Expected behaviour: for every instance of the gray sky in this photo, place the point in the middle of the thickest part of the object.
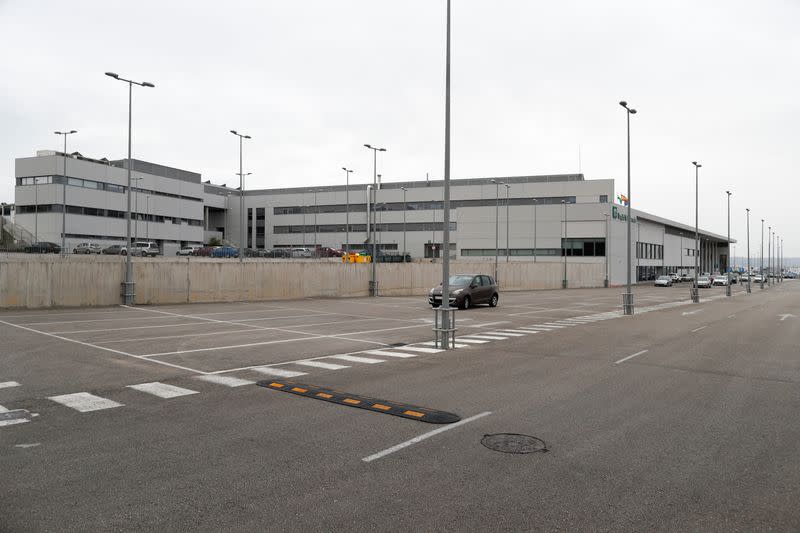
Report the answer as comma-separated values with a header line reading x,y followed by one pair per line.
x,y
313,81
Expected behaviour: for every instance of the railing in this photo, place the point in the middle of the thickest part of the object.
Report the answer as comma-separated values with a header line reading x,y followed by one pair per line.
x,y
18,234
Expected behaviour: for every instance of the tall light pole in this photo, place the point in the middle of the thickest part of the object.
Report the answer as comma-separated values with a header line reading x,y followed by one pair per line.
x,y
242,234
535,205
695,292
64,194
769,254
761,265
496,224
605,282
347,210
371,240
728,273
564,245
627,298
375,187
316,210
749,272
404,221
147,220
508,239
136,209
129,284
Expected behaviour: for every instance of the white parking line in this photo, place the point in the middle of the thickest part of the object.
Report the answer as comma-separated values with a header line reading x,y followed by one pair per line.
x,y
228,381
422,349
422,437
631,356
484,337
467,340
8,384
162,390
698,329
279,372
85,402
356,359
506,334
320,364
391,354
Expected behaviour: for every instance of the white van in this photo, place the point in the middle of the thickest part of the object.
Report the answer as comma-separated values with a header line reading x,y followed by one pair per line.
x,y
145,248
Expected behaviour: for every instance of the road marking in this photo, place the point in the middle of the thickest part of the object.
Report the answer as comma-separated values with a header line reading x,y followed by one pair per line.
x,y
552,325
272,371
784,317
320,364
487,324
630,357
391,354
31,445
731,316
536,328
8,384
433,343
698,329
685,313
505,334
422,437
486,337
162,390
522,331
422,349
226,380
85,402
356,359
467,340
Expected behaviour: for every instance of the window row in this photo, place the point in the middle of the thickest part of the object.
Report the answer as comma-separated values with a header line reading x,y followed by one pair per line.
x,y
96,185
361,228
419,206
646,250
515,252
109,213
583,247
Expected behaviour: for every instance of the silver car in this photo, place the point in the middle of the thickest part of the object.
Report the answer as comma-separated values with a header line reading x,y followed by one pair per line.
x,y
663,281
703,282
87,248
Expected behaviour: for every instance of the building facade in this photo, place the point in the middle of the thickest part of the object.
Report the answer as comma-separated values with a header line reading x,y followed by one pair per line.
x,y
552,218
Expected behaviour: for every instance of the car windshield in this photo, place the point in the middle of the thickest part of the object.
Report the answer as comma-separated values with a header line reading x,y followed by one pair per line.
x,y
460,280
703,278
664,278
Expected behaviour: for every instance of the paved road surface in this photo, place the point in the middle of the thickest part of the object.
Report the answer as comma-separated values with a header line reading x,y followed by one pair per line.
x,y
682,417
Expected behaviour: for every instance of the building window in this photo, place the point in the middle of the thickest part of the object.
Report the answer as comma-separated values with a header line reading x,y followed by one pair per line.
x,y
583,247
603,198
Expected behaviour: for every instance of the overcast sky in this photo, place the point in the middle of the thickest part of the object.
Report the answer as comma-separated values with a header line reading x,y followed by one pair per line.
x,y
312,81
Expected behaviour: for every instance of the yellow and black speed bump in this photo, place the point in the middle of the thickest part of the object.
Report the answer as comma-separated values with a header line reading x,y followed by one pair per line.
x,y
413,412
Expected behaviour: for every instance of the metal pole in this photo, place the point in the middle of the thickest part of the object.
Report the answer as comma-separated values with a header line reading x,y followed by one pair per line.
x,y
448,318
496,226
303,208
761,262
749,272
728,273
369,237
404,222
564,246
695,293
36,209
147,219
508,236
769,253
242,234
347,210
627,300
316,210
129,290
535,205
64,202
605,283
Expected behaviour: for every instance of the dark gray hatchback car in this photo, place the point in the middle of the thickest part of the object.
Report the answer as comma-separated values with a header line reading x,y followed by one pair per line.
x,y
467,290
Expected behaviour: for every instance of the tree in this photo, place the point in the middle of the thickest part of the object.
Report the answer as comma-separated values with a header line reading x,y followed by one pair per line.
x,y
214,242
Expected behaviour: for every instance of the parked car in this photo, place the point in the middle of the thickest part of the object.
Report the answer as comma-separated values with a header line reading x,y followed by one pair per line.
x,y
225,251
758,278
43,248
703,282
87,248
663,281
205,251
145,249
687,277
302,252
188,250
329,252
115,249
280,253
676,278
467,290
720,281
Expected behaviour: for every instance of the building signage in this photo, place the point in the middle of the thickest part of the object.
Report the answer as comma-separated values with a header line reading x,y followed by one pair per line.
x,y
615,213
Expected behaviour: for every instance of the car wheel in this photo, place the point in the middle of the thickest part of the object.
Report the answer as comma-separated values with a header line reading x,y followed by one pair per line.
x,y
123,252
466,303
493,301
434,306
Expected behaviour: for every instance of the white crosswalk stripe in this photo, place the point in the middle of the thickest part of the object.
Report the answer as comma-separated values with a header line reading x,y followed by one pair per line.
x,y
320,364
485,337
355,359
523,331
386,353
8,384
432,343
85,402
469,341
278,372
228,381
422,349
162,390
506,334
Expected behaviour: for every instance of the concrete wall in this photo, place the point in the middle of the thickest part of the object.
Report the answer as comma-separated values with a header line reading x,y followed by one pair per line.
x,y
35,282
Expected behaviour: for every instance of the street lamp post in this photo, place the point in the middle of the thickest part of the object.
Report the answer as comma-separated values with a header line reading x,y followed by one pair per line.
x,y
371,240
564,245
496,224
347,210
242,233
316,210
761,262
375,187
508,235
129,283
627,298
535,205
749,272
728,273
605,282
147,220
695,292
769,254
136,210
64,194
404,221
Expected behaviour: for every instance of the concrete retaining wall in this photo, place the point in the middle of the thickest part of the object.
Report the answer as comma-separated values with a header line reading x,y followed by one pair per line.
x,y
52,281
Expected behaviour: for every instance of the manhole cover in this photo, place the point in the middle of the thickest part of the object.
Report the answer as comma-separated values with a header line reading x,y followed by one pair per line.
x,y
513,443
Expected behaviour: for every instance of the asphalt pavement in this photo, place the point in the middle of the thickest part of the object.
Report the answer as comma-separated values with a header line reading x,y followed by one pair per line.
x,y
681,417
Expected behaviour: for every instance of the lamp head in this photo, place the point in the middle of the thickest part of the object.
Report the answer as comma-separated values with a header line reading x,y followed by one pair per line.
x,y
632,111
381,149
246,136
147,84
234,132
624,104
113,75
73,131
368,146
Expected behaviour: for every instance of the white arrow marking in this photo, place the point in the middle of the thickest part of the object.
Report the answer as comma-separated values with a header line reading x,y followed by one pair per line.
x,y
32,445
784,317
691,312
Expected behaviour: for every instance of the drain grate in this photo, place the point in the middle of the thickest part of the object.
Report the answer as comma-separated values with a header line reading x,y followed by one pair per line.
x,y
514,443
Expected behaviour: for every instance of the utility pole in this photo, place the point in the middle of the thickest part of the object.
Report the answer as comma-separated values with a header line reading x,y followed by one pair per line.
x,y
749,272
64,194
728,273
